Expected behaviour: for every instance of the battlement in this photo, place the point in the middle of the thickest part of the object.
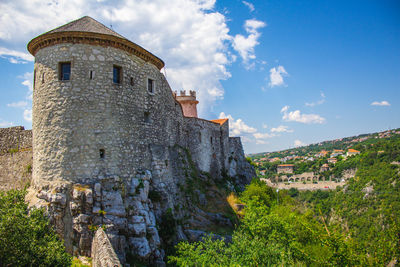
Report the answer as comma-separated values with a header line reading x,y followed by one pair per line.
x,y
188,102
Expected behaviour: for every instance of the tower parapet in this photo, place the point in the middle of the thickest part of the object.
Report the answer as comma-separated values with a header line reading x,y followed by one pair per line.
x,y
188,103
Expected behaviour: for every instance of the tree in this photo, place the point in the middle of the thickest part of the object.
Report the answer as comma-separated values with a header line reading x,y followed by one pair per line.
x,y
26,237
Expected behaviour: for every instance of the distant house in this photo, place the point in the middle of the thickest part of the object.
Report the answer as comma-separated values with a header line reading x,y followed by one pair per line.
x,y
274,159
337,152
285,168
321,154
262,173
352,152
332,160
324,168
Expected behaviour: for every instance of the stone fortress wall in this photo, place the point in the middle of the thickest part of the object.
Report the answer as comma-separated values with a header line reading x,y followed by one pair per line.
x,y
15,138
99,147
15,157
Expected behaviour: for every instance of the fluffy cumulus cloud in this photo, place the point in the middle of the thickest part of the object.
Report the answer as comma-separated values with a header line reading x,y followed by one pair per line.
x,y
28,115
297,116
237,127
15,57
276,75
249,134
281,129
244,45
298,143
319,102
189,35
381,103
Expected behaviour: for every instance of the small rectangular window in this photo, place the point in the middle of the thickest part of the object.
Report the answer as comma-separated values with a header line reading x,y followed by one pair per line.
x,y
132,82
102,153
91,75
147,117
65,71
150,86
117,72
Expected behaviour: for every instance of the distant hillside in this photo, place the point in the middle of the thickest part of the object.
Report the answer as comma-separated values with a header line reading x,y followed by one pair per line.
x,y
341,144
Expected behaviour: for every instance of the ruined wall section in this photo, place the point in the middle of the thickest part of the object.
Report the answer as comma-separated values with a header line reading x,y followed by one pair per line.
x,y
239,168
103,254
15,138
73,120
208,143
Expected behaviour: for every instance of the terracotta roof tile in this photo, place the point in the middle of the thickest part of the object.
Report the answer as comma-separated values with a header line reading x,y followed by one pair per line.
x,y
220,121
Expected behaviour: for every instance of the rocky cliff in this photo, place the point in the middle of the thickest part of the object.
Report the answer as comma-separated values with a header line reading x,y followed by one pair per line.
x,y
146,215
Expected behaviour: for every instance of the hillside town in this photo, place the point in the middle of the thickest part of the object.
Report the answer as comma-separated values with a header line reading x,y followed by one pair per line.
x,y
324,165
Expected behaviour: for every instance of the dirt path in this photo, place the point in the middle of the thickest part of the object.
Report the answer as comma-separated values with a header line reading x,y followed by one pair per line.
x,y
328,185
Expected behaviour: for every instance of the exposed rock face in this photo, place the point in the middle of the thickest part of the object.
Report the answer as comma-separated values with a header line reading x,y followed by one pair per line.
x,y
121,207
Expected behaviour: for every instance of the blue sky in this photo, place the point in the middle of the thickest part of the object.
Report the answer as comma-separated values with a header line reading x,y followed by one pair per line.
x,y
286,73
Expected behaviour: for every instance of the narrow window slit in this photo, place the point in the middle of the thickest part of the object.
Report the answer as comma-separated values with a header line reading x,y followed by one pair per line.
x,y
102,153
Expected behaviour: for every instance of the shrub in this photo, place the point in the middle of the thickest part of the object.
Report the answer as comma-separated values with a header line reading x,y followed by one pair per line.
x,y
26,237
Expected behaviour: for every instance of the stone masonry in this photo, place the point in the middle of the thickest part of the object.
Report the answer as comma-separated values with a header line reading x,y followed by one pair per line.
x,y
101,144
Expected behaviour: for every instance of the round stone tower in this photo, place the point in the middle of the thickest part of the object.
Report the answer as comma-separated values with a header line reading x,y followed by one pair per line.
x,y
92,102
188,103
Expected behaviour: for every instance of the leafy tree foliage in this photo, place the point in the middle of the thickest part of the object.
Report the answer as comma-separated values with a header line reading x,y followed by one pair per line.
x,y
26,238
272,234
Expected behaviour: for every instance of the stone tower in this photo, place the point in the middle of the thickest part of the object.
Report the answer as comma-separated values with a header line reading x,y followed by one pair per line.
x,y
93,99
188,103
108,131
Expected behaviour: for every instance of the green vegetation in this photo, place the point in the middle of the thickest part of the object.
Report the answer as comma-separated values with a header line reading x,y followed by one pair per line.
x,y
271,234
26,237
357,225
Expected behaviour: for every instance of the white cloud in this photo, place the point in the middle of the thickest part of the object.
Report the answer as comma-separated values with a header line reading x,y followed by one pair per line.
x,y
263,135
276,76
28,82
14,56
264,126
382,103
281,129
237,127
4,124
298,143
28,115
245,45
297,116
261,142
19,104
249,5
319,102
190,36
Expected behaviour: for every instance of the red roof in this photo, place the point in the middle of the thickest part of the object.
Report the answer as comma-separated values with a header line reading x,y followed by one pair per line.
x,y
220,121
286,165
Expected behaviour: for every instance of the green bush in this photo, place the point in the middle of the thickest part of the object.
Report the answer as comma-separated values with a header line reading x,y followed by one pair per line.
x,y
26,237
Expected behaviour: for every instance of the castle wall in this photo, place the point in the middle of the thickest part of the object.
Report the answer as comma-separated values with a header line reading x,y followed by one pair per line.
x,y
15,157
239,168
208,144
15,138
73,120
